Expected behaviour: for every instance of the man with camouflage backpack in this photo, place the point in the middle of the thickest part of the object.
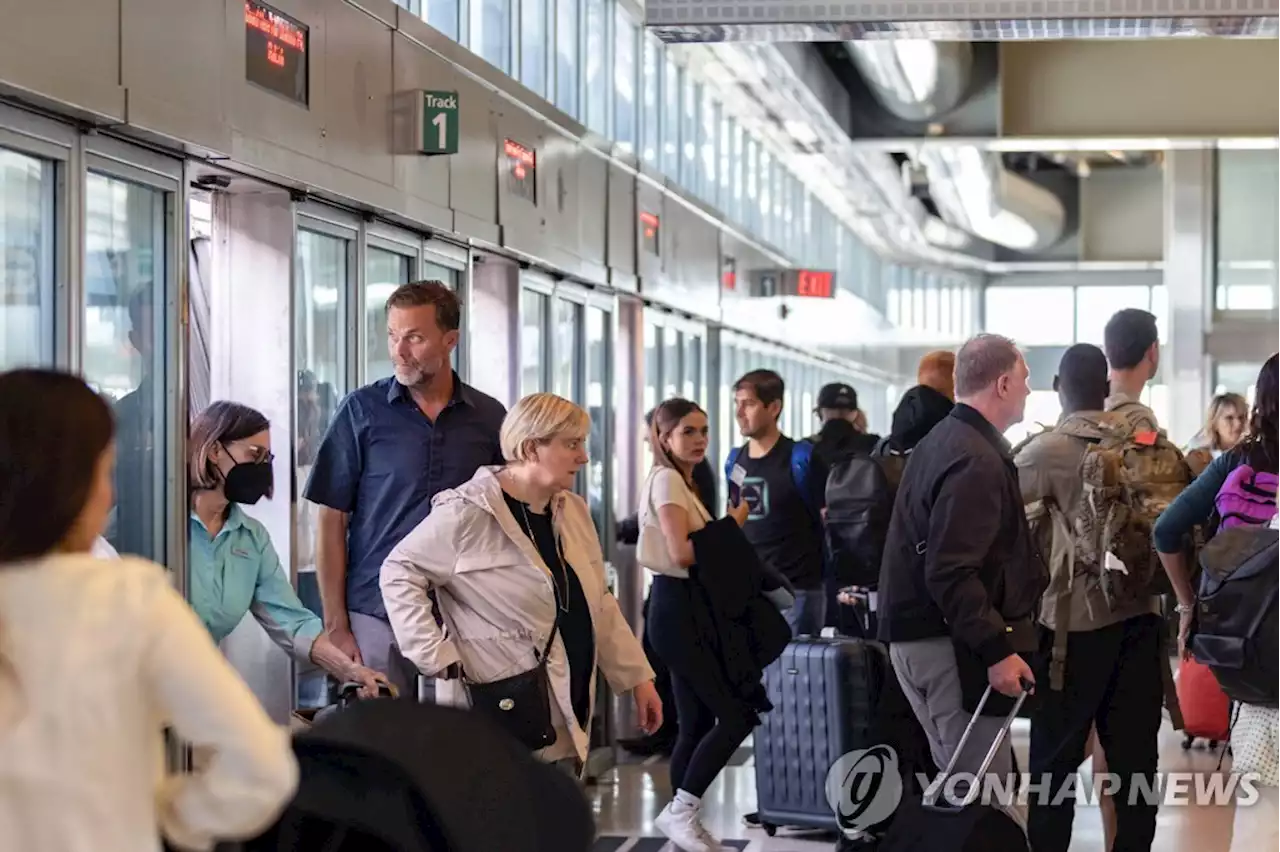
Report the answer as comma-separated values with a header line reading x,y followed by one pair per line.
x,y
1094,485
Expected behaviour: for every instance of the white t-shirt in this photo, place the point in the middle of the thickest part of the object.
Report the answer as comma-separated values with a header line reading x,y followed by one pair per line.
x,y
103,549
665,487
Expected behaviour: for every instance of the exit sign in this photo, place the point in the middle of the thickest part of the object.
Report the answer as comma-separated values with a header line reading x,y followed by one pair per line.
x,y
801,283
814,284
439,123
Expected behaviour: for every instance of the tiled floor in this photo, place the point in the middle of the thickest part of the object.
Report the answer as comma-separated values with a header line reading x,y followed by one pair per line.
x,y
628,799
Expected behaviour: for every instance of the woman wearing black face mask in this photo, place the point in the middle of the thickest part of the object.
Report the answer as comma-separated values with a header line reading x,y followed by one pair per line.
x,y
234,567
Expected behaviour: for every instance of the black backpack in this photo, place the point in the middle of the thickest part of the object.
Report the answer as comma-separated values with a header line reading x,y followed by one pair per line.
x,y
1235,622
860,494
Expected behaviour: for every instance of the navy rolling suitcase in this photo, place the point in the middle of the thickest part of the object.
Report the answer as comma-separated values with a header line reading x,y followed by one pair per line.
x,y
824,693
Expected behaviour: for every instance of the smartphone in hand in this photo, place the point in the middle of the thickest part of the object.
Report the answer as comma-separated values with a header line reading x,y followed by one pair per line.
x,y
736,477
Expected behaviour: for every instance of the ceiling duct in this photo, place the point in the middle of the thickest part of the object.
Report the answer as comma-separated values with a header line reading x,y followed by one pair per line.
x,y
915,80
974,191
923,81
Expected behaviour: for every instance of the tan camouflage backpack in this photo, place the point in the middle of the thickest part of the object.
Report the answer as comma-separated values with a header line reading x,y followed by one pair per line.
x,y
1129,478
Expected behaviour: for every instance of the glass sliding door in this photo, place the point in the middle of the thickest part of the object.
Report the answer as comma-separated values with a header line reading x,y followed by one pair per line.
x,y
323,278
671,345
568,353
27,330
535,322
123,348
691,369
597,386
385,270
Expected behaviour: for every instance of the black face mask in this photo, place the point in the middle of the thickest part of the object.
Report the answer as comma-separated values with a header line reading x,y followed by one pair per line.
x,y
248,482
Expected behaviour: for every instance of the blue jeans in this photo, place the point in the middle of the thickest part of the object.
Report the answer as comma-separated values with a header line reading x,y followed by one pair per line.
x,y
808,615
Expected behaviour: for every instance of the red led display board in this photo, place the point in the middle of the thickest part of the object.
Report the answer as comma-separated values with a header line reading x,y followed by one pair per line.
x,y
522,170
275,52
650,231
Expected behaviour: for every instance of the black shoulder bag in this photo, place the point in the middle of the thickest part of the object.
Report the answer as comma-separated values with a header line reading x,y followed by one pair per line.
x,y
521,703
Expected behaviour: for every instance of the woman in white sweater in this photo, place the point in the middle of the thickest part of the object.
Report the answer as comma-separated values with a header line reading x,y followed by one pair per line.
x,y
97,657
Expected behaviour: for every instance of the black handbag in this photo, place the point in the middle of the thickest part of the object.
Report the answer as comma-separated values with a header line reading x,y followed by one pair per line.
x,y
521,703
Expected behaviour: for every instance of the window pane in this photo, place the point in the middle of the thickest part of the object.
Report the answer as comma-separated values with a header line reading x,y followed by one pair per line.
x,y
650,140
1043,409
692,368
567,56
1157,399
670,363
319,335
766,193
568,356
710,134
724,140
1248,230
652,340
322,276
671,119
689,94
443,15
737,166
1096,305
624,80
533,45
597,77
26,247
1160,307
1236,377
597,363
124,345
384,272
533,342
1009,310
491,32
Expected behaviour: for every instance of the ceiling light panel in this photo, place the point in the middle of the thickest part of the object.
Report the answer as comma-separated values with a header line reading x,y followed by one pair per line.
x,y
966,20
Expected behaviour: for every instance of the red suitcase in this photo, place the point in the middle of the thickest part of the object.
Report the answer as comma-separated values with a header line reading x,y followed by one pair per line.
x,y
1206,710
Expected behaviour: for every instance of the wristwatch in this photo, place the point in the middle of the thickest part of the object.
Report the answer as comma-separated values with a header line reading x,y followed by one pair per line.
x,y
1184,608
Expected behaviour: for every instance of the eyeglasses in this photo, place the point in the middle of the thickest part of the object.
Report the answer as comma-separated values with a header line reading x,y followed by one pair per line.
x,y
256,454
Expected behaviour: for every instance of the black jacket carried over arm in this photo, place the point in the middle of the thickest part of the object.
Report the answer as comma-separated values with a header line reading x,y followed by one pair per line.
x,y
741,631
959,559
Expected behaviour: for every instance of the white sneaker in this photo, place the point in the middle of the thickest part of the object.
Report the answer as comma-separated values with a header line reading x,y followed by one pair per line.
x,y
681,823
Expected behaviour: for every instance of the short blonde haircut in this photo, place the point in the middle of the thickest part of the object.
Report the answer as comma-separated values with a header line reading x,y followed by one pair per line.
x,y
540,418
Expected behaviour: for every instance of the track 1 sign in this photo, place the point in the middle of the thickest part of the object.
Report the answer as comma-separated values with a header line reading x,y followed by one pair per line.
x,y
439,123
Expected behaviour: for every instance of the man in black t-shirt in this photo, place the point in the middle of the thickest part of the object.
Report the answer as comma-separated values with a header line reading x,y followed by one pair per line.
x,y
784,483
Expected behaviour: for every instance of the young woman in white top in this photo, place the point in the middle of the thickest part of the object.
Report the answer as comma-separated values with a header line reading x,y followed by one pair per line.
x,y
712,721
96,656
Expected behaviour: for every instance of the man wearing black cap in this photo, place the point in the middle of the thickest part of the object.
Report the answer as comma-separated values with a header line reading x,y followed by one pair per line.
x,y
1100,660
843,432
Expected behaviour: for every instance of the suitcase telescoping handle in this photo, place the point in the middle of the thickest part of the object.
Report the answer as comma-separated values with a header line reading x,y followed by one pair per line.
x,y
931,795
349,691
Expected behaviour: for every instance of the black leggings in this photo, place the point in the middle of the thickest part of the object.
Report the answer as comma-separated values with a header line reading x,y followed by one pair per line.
x,y
712,722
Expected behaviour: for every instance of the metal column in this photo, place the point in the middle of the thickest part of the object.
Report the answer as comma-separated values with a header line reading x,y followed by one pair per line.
x,y
1189,200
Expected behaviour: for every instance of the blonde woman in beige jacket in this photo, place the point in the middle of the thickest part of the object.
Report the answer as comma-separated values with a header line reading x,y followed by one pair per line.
x,y
511,555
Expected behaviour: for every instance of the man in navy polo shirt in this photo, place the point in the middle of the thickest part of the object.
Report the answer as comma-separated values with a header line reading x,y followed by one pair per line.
x,y
392,446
